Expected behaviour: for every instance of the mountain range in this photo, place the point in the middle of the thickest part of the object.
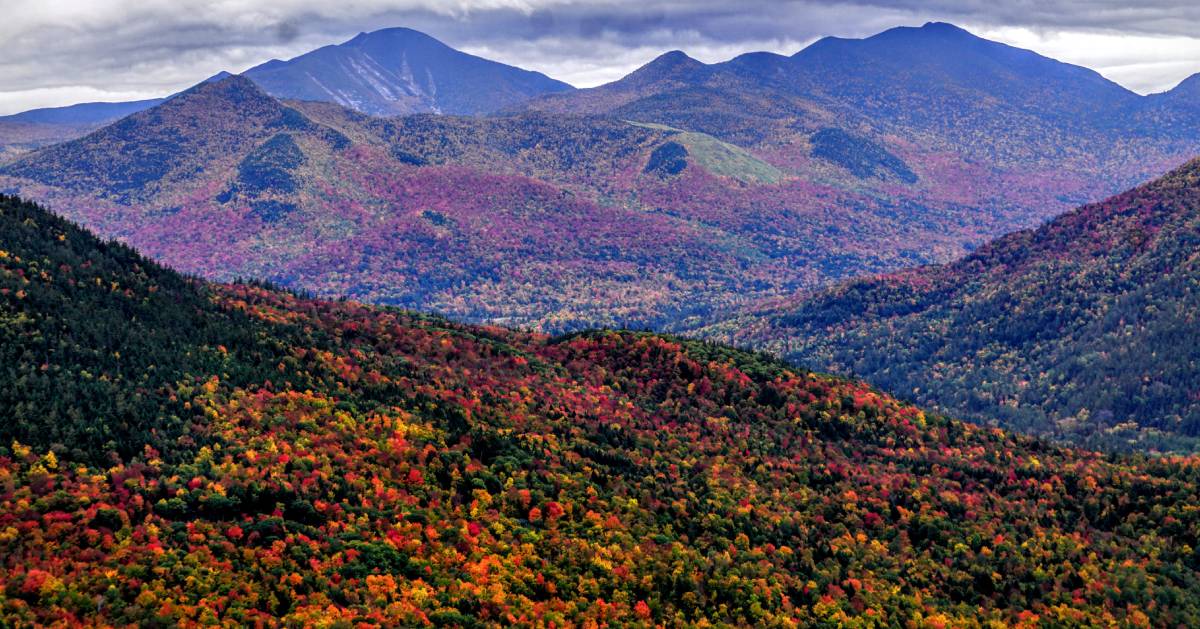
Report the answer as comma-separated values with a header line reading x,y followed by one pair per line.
x,y
679,194
937,82
1081,329
389,72
184,453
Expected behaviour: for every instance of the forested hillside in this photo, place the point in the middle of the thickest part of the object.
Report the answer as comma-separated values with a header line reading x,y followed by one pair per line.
x,y
1082,329
239,455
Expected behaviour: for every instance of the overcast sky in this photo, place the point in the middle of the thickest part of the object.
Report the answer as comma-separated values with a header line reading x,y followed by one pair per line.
x,y
59,52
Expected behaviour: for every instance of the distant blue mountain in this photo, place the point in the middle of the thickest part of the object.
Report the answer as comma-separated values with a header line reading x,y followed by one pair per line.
x,y
90,115
1186,93
83,113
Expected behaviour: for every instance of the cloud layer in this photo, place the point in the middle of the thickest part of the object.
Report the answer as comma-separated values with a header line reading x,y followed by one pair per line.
x,y
76,50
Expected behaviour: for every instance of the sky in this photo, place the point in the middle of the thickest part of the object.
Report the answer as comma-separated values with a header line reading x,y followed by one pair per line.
x,y
59,52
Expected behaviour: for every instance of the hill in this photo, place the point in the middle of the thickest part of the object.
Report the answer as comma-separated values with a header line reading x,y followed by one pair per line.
x,y
341,463
1081,329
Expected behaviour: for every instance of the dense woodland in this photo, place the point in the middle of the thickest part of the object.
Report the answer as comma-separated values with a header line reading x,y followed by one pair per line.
x,y
278,460
1083,329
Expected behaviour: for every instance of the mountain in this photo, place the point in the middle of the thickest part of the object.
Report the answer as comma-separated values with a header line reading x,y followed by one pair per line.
x,y
1187,88
153,149
255,457
19,138
83,113
1174,109
388,72
1081,329
669,70
554,221
939,60
967,111
928,78
401,71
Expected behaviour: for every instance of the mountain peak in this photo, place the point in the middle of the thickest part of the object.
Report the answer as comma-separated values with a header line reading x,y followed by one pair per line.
x,y
673,61
233,86
391,35
944,28
674,57
398,71
929,30
669,65
942,32
220,76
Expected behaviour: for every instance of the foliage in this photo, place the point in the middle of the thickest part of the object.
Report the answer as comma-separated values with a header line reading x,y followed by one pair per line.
x,y
269,167
860,156
667,160
1082,329
390,469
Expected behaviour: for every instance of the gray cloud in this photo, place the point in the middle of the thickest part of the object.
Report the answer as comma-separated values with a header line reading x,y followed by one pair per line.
x,y
72,50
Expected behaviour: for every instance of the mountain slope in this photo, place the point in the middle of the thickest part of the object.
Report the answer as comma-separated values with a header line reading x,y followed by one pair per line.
x,y
1173,110
382,469
19,138
94,338
927,79
33,129
1081,329
401,71
157,148
37,128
